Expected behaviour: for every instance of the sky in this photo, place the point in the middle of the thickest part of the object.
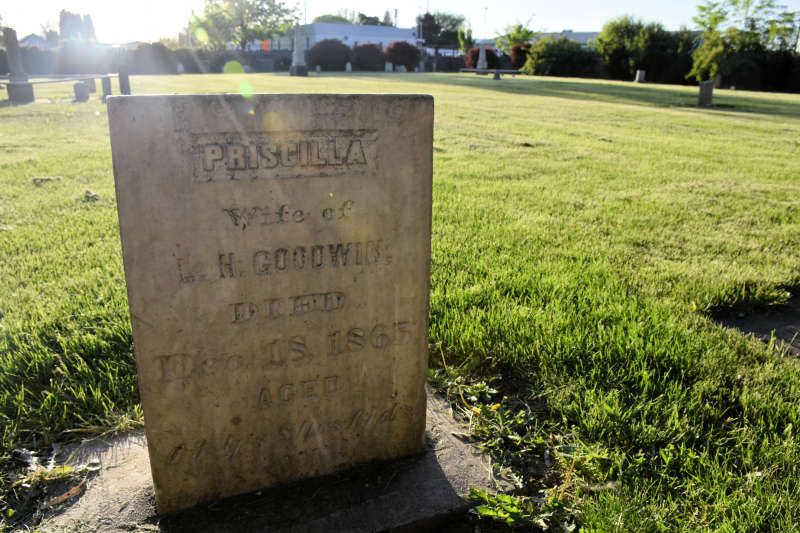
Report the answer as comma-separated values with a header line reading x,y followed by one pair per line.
x,y
148,20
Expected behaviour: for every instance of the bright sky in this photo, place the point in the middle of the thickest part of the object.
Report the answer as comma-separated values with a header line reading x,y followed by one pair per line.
x,y
148,20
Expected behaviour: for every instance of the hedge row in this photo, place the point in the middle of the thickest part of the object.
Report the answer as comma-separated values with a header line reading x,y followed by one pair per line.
x,y
332,54
77,58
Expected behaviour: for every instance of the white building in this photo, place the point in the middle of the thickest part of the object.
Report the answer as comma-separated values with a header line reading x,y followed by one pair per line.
x,y
349,34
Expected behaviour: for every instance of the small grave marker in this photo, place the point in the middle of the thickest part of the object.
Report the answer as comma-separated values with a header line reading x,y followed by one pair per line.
x,y
640,76
277,258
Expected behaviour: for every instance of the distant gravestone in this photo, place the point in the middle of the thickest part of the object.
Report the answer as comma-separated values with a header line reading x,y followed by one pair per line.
x,y
81,92
640,76
105,82
124,82
422,65
401,68
348,67
91,85
482,64
318,69
277,258
298,67
20,91
706,96
389,67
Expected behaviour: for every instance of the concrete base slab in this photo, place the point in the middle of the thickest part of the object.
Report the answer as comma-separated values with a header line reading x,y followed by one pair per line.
x,y
416,493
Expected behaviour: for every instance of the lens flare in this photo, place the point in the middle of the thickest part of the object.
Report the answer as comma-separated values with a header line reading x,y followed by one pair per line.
x,y
233,67
245,89
201,35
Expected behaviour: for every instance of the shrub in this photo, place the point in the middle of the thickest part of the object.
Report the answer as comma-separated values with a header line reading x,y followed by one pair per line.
x,y
403,53
368,56
492,61
519,55
561,57
37,60
152,59
82,58
330,54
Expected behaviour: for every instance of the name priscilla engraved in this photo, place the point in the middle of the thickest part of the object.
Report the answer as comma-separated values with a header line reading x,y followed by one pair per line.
x,y
235,156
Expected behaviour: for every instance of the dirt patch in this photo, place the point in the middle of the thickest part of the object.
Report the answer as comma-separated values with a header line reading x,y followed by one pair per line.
x,y
782,321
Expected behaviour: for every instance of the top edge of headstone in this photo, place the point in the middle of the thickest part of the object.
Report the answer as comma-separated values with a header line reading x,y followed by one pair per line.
x,y
239,97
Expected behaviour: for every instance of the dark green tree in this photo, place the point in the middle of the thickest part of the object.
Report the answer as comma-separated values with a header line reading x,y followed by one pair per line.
x,y
331,19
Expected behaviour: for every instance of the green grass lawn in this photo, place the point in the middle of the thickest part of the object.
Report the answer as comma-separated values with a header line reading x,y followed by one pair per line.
x,y
584,233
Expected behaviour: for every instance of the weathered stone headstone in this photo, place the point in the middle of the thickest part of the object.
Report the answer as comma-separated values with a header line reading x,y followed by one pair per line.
x,y
81,91
348,67
318,69
496,75
15,68
91,85
277,256
422,65
105,81
298,67
706,96
124,82
640,76
20,91
389,67
401,68
482,64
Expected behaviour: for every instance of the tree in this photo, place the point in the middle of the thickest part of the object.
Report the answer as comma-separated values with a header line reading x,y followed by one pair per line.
x,y
465,40
242,21
70,25
738,36
514,34
365,20
331,19
440,30
88,28
387,19
628,44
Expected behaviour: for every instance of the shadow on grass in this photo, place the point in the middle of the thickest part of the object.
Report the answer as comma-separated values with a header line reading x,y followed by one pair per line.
x,y
651,95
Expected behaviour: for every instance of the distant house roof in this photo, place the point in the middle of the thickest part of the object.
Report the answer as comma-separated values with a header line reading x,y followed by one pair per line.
x,y
35,40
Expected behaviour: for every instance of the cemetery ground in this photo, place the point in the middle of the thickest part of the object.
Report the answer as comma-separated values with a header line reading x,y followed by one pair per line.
x,y
590,241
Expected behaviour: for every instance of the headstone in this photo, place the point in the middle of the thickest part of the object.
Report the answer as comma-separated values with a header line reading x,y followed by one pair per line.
x,y
81,92
422,65
277,256
20,91
401,68
124,82
482,64
389,67
91,85
348,67
15,68
180,68
318,69
639,76
706,96
496,75
298,67
105,81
